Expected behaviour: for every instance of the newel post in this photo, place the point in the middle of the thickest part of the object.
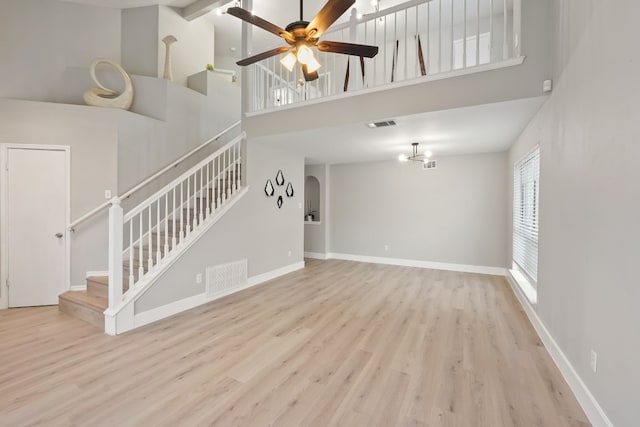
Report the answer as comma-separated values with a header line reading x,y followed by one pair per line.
x,y
116,218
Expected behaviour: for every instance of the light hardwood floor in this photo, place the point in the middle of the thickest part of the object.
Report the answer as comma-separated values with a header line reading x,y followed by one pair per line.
x,y
339,343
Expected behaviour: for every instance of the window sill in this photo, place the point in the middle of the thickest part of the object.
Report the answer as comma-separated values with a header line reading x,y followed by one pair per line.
x,y
527,289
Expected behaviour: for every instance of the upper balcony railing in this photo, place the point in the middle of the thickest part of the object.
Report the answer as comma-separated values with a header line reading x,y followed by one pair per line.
x,y
417,40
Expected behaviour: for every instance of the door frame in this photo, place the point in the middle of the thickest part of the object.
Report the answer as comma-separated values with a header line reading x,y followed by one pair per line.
x,y
4,196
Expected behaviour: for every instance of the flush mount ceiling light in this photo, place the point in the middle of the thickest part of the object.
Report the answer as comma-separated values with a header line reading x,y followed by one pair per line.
x,y
415,156
302,36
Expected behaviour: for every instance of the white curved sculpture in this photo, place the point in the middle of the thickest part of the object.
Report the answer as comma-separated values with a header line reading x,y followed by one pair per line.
x,y
168,41
102,97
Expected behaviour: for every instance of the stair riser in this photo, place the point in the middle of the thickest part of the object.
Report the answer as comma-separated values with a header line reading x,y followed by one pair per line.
x,y
82,312
97,289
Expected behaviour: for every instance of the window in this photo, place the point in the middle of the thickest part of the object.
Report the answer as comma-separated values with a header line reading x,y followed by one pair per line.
x,y
526,178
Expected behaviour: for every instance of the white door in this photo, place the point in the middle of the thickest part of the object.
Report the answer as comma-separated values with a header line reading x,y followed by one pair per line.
x,y
36,219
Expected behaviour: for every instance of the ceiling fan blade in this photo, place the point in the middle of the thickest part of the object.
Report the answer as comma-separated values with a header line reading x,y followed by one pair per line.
x,y
330,12
364,50
264,55
247,16
307,75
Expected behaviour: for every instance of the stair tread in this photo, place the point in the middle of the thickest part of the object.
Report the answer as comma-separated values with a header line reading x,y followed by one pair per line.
x,y
86,299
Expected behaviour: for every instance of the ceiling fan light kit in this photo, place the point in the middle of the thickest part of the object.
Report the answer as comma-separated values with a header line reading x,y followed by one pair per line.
x,y
302,36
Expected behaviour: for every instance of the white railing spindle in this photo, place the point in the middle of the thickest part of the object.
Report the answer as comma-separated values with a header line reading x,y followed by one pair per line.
x,y
140,250
115,252
200,183
131,253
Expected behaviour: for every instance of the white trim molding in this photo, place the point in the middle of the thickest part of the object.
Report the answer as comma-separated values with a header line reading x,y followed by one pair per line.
x,y
587,401
316,255
96,274
194,301
494,271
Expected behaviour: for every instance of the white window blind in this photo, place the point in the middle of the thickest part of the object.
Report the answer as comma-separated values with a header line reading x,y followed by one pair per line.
x,y
526,175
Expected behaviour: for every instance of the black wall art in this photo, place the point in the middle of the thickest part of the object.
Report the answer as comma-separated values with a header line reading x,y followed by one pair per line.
x,y
270,190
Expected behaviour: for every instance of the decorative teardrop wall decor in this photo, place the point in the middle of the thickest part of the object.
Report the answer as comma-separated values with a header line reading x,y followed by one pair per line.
x,y
270,190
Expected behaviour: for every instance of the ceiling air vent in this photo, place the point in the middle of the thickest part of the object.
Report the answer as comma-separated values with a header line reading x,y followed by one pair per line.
x,y
431,164
382,124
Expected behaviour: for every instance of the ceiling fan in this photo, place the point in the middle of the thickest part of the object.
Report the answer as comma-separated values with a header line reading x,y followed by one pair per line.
x,y
302,36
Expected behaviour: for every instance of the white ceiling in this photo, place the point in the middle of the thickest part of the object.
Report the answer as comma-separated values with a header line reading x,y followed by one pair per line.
x,y
478,129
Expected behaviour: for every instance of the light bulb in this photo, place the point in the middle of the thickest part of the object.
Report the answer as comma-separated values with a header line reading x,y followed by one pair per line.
x,y
313,65
428,154
289,61
305,54
402,158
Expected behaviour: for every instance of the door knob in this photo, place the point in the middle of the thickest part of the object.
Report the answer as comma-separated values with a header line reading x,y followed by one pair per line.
x,y
59,235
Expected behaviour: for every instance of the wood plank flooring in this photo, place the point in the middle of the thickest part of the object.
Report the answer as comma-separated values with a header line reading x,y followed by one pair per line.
x,y
336,344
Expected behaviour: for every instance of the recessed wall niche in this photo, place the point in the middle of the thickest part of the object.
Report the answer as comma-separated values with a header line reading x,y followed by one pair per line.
x,y
312,199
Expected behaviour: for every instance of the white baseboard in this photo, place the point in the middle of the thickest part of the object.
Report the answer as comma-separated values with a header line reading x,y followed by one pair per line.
x,y
589,404
316,255
170,309
495,271
78,287
269,275
194,301
96,274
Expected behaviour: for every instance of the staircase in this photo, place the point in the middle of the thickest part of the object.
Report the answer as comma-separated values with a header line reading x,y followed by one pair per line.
x,y
157,230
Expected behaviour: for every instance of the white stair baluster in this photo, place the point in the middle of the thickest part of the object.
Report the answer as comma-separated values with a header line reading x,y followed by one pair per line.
x,y
166,224
208,188
218,176
224,176
477,32
452,41
238,166
201,215
181,212
140,249
150,248
158,230
173,219
505,45
188,206
464,34
233,169
131,254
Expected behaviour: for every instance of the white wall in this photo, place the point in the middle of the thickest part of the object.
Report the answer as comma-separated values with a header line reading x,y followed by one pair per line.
x,y
140,43
143,51
254,229
588,133
453,214
42,42
92,135
315,234
194,48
